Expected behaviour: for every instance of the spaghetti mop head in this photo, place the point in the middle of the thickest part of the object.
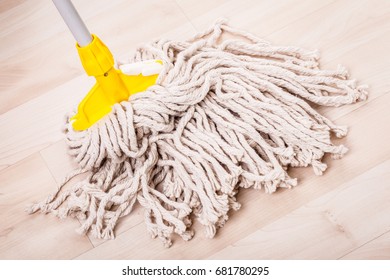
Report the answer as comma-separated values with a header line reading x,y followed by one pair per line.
x,y
224,114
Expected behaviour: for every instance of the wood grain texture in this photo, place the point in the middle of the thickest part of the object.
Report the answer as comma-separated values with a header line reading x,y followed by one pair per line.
x,y
33,237
338,217
37,123
260,17
343,214
377,249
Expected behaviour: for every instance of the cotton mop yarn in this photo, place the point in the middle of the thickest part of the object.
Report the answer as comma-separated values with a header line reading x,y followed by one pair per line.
x,y
225,114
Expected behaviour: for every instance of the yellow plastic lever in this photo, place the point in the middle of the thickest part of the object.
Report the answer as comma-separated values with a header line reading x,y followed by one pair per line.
x,y
112,85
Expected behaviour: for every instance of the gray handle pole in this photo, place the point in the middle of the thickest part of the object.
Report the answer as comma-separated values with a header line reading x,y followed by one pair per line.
x,y
73,21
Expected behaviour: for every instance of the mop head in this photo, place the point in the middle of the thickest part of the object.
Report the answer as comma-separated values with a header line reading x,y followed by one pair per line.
x,y
225,114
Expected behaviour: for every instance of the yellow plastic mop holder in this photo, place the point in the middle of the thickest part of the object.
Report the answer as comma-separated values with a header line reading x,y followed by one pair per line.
x,y
112,85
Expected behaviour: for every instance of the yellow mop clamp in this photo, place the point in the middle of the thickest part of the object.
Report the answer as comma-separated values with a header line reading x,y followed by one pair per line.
x,y
112,85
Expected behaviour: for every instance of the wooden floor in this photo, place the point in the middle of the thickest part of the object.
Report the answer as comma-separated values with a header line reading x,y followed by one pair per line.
x,y
344,214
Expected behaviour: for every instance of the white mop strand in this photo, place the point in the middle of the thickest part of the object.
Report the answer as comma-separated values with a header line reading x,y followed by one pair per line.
x,y
224,115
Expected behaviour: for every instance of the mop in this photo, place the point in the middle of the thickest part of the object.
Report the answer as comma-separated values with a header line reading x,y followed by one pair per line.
x,y
224,113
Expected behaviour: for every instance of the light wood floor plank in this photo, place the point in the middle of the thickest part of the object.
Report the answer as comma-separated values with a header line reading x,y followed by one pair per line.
x,y
37,124
339,217
9,5
24,236
58,161
260,17
41,19
377,249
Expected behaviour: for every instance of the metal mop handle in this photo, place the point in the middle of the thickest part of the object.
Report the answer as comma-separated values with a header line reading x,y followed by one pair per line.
x,y
74,22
